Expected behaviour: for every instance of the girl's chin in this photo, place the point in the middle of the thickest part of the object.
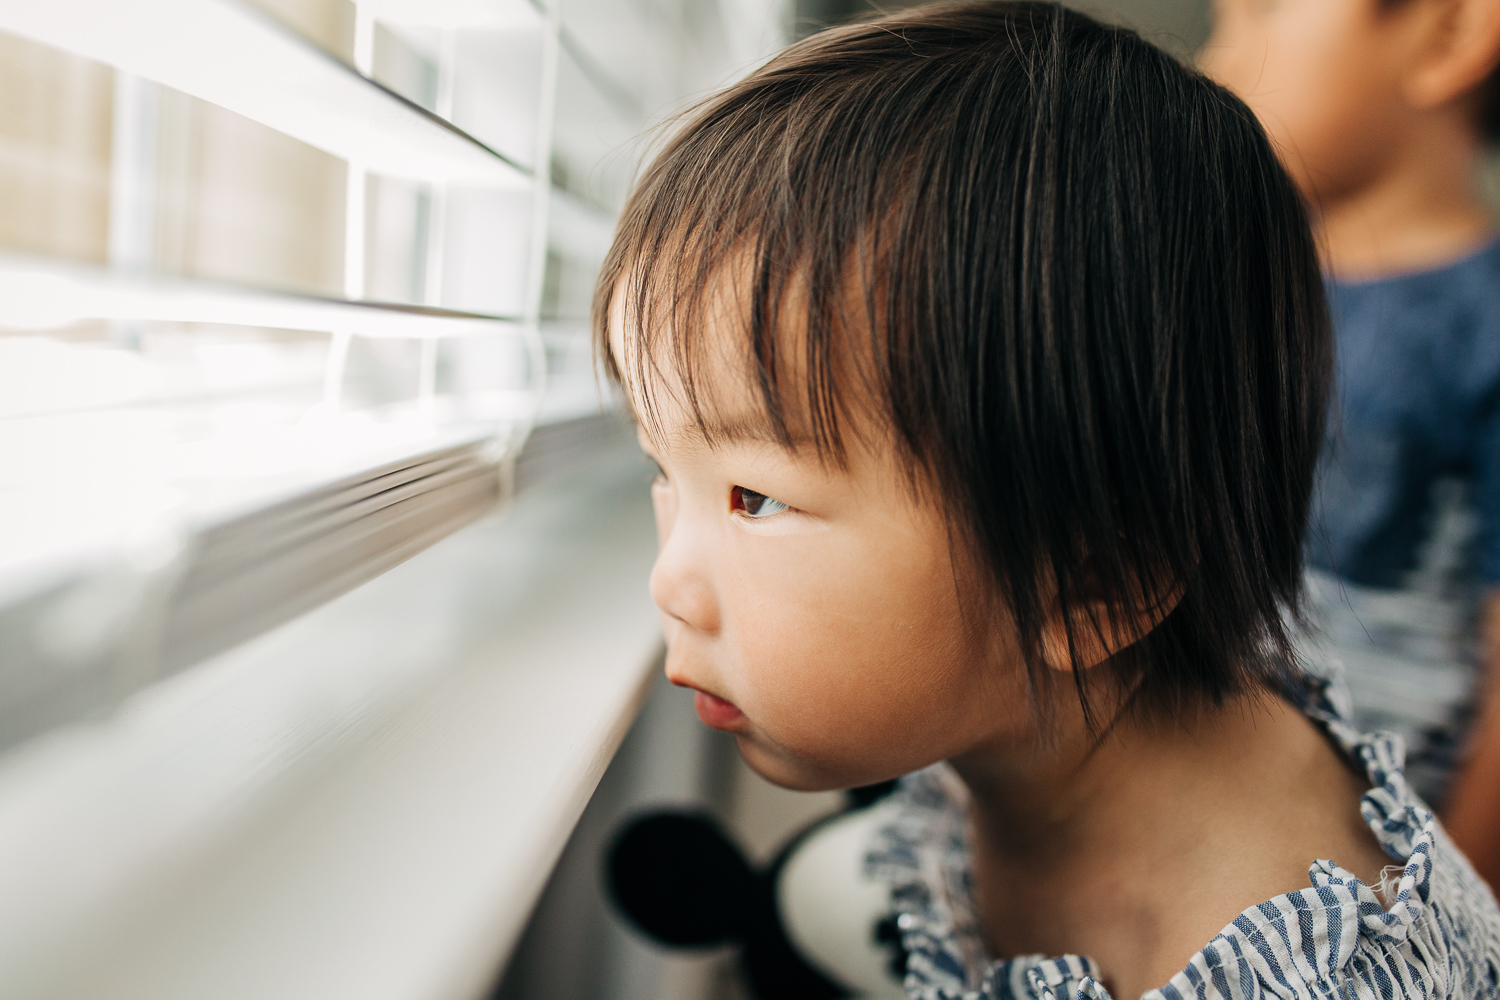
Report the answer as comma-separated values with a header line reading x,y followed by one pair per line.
x,y
718,713
789,772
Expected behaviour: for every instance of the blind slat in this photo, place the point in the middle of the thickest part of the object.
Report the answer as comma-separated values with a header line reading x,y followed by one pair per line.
x,y
40,293
233,56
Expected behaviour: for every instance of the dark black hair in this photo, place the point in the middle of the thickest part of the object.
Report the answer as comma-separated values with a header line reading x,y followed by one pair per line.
x,y
1066,272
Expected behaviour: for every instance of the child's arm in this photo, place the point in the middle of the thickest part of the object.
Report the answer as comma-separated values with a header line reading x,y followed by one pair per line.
x,y
1472,815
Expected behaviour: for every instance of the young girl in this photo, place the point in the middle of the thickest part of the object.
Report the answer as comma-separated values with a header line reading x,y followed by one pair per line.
x,y
984,353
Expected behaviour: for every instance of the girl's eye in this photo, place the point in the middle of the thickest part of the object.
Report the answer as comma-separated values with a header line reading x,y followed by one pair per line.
x,y
754,504
659,475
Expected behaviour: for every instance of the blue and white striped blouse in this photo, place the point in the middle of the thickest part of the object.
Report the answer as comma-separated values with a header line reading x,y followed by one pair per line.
x,y
1440,938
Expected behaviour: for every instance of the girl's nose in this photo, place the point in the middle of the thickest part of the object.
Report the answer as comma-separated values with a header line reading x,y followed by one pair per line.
x,y
680,582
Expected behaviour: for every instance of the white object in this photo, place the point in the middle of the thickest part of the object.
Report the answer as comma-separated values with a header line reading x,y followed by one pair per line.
x,y
830,907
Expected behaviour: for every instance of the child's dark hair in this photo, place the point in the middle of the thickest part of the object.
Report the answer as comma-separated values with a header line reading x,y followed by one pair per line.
x,y
1066,272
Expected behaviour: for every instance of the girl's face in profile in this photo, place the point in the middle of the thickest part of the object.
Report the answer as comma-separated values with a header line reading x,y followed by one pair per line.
x,y
816,609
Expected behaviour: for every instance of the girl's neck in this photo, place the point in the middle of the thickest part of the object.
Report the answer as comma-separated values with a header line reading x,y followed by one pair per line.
x,y
1137,852
1422,210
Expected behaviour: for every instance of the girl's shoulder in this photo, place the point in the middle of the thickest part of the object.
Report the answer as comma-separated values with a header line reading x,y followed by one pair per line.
x,y
1431,931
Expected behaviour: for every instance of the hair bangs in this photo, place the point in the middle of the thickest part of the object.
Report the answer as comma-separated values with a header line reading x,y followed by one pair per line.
x,y
737,249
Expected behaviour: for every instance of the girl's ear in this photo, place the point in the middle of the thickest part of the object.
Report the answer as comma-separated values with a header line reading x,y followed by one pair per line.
x,y
1094,629
1457,47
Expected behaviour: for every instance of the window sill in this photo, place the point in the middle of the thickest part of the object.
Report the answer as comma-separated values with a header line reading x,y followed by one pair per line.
x,y
365,802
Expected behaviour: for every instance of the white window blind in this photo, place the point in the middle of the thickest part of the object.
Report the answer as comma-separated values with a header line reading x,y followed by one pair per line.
x,y
278,322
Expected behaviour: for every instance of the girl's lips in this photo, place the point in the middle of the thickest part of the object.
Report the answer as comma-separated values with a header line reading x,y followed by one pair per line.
x,y
716,712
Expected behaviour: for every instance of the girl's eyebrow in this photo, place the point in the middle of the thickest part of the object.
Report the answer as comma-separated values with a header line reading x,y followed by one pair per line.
x,y
738,429
745,430
731,431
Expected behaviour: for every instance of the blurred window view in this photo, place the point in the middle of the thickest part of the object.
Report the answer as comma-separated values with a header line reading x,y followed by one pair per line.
x,y
253,256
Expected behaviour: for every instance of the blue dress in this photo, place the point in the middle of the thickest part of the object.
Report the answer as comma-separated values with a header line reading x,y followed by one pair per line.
x,y
1438,939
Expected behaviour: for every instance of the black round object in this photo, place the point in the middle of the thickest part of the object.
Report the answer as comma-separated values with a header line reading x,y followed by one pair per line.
x,y
683,881
680,878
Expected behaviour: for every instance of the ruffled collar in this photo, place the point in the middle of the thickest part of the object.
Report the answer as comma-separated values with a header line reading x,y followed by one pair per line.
x,y
922,855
